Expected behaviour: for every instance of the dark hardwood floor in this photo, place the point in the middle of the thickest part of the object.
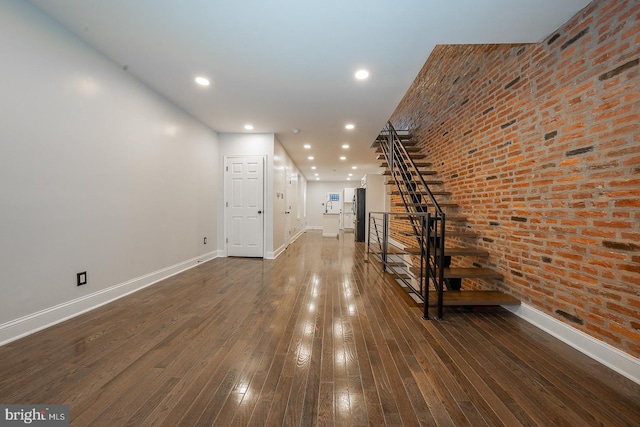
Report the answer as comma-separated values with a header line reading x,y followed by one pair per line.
x,y
314,337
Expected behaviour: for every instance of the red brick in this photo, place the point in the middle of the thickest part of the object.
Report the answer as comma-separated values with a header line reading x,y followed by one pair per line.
x,y
627,203
572,201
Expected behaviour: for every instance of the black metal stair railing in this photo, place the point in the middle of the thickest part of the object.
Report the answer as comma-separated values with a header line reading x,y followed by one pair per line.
x,y
417,198
392,258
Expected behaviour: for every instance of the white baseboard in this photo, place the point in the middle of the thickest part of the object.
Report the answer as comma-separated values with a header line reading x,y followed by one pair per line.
x,y
297,235
274,254
26,325
314,227
619,361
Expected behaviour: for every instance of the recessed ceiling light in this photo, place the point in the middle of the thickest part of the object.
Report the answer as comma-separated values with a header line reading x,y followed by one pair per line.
x,y
310,157
295,130
202,81
315,174
317,179
307,146
343,158
362,74
350,174
350,126
348,179
354,167
345,146
313,168
248,127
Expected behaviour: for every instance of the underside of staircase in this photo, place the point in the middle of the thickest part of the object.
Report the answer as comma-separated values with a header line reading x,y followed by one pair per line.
x,y
425,245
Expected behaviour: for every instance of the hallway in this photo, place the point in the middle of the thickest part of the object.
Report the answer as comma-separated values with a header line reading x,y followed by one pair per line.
x,y
313,337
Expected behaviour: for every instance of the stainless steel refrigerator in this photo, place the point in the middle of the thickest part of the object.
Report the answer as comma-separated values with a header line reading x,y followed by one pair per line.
x,y
360,214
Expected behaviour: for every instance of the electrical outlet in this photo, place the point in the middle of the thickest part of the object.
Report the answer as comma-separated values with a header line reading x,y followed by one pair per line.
x,y
82,278
205,240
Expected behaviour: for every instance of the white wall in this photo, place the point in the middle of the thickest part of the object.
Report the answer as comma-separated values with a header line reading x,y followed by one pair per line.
x,y
288,195
281,173
97,174
316,196
376,198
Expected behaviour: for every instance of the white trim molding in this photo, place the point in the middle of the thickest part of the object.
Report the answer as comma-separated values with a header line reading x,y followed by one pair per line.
x,y
619,361
275,254
297,235
26,325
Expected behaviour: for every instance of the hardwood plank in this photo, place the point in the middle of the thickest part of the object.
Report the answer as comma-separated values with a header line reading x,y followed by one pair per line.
x,y
314,337
261,411
473,298
326,410
582,393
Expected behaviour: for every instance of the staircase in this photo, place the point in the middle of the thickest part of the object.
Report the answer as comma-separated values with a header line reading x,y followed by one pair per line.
x,y
424,244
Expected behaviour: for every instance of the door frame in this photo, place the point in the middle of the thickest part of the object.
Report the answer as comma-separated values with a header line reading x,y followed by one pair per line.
x,y
225,173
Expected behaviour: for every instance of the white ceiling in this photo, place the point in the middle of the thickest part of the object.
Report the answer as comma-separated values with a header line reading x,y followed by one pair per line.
x,y
285,64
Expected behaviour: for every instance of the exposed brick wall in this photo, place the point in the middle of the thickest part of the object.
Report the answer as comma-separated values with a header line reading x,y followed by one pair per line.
x,y
540,145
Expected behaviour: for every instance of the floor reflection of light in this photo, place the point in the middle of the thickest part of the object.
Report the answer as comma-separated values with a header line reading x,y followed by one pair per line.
x,y
347,288
352,309
304,354
343,401
242,388
337,329
308,329
312,308
339,358
242,391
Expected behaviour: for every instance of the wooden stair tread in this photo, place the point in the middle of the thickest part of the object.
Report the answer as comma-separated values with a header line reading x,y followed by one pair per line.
x,y
449,218
416,173
433,182
435,193
416,164
465,273
473,298
402,136
428,205
411,150
455,251
405,143
414,156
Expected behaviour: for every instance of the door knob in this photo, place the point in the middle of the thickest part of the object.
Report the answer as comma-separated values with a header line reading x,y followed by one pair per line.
x,y
259,212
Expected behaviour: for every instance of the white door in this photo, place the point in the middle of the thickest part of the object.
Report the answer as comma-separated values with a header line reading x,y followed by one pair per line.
x,y
245,206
